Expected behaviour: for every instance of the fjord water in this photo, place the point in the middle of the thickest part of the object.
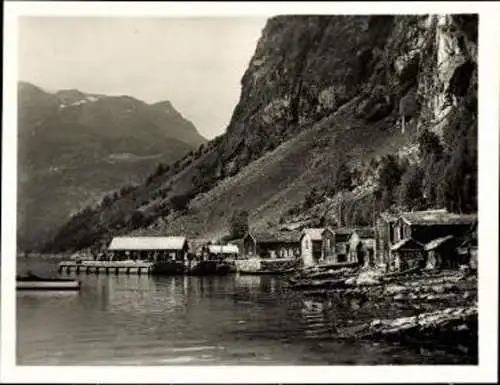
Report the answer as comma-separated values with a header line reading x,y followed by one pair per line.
x,y
230,320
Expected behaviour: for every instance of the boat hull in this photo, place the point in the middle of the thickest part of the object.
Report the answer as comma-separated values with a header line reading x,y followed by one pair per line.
x,y
211,268
169,268
48,285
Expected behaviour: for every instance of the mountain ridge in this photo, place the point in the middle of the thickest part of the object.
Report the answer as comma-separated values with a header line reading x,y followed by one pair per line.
x,y
84,145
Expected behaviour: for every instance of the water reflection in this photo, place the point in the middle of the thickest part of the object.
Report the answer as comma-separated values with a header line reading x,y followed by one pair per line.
x,y
230,320
247,281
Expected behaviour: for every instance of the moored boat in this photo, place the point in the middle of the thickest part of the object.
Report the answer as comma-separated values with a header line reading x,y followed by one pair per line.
x,y
169,268
33,282
211,268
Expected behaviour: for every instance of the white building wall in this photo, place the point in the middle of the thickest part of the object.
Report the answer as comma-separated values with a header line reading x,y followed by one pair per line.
x,y
306,250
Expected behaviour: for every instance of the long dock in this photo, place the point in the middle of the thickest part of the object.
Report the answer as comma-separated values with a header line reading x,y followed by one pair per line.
x,y
106,267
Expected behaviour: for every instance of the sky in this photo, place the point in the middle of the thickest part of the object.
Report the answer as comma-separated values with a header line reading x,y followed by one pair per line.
x,y
195,63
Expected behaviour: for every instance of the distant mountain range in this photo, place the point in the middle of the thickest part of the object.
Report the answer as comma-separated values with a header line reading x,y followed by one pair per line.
x,y
74,147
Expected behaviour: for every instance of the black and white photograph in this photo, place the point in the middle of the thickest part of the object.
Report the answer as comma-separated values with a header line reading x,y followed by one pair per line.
x,y
292,189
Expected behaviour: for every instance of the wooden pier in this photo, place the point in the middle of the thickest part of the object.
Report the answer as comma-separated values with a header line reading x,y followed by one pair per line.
x,y
106,267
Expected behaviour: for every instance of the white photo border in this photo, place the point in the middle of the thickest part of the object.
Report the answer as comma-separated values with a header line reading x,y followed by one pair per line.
x,y
489,105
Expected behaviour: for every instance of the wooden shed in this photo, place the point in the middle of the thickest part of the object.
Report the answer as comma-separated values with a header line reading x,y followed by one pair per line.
x,y
317,245
272,244
421,226
468,247
328,245
362,246
407,254
441,253
424,226
384,237
341,237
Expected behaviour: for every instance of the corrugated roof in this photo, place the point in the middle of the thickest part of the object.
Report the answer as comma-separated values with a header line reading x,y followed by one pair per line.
x,y
314,233
223,249
428,218
437,242
272,237
407,244
147,243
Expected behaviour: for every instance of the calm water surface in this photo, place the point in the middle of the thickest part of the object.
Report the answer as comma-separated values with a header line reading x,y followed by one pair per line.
x,y
232,320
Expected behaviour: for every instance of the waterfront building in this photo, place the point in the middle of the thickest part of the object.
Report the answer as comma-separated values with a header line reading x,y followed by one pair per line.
x,y
384,237
362,246
407,254
422,226
341,242
317,246
442,253
156,249
468,248
272,245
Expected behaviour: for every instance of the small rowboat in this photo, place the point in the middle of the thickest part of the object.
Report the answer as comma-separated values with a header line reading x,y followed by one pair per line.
x,y
33,282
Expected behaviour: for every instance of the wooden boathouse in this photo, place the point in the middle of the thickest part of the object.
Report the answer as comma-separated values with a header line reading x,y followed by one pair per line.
x,y
272,245
420,226
137,255
154,249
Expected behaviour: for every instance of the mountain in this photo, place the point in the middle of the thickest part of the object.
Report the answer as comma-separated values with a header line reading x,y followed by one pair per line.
x,y
339,117
74,147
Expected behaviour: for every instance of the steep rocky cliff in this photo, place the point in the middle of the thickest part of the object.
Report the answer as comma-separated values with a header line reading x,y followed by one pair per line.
x,y
324,100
